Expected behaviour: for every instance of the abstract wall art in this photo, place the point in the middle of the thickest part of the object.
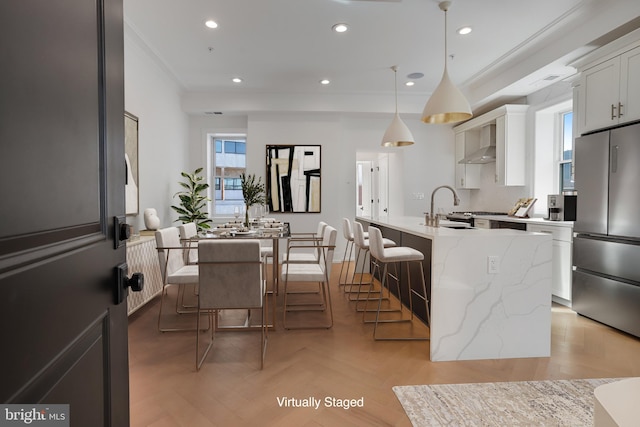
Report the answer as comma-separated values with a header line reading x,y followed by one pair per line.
x,y
131,162
293,178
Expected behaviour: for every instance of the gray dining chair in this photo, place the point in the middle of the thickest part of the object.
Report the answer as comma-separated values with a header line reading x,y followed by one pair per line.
x,y
231,277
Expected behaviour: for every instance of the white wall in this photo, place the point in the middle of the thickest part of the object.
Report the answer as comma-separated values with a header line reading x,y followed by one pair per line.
x,y
417,168
153,96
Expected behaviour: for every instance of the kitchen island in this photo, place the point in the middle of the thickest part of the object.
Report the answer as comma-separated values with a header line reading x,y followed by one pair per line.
x,y
490,288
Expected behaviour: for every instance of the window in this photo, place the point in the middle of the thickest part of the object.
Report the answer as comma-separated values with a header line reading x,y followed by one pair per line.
x,y
237,147
566,153
227,161
232,184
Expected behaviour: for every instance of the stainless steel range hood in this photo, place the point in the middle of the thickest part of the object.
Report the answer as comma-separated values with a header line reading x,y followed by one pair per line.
x,y
487,151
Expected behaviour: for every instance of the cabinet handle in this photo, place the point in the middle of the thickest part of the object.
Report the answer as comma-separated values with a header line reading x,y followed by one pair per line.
x,y
613,111
620,110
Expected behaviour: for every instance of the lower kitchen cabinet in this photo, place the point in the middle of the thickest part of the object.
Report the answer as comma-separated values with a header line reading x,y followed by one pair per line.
x,y
562,248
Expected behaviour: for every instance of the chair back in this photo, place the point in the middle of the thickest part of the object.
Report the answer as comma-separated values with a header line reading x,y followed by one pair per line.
x,y
322,226
230,274
358,235
328,239
347,232
189,231
376,244
169,251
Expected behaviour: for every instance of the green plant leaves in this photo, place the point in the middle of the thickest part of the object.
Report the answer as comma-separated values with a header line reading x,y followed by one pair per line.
x,y
192,201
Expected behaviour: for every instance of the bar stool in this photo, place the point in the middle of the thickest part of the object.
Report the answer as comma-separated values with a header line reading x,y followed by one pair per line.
x,y
361,241
347,232
395,255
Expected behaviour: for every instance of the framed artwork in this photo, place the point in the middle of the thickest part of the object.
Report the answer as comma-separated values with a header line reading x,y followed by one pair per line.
x,y
293,178
131,162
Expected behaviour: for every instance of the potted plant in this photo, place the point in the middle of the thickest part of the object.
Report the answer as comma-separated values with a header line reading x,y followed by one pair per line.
x,y
193,200
253,193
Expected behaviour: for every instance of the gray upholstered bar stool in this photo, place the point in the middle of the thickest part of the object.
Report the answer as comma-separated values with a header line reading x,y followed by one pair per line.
x,y
396,255
361,241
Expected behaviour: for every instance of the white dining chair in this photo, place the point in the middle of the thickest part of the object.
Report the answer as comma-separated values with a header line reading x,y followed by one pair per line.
x,y
174,270
316,271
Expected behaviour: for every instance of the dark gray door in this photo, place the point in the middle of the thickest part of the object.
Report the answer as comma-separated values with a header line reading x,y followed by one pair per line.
x,y
64,340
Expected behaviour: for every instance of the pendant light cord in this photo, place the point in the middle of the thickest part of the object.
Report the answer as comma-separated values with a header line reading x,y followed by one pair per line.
x,y
445,38
395,85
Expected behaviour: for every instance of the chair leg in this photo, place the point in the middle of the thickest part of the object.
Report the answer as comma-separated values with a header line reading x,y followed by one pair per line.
x,y
200,361
353,275
160,328
345,261
410,292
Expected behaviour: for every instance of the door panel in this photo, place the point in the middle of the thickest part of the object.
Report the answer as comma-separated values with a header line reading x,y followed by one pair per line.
x,y
592,178
62,181
624,197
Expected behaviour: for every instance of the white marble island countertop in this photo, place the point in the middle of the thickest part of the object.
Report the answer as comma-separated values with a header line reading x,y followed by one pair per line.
x,y
478,314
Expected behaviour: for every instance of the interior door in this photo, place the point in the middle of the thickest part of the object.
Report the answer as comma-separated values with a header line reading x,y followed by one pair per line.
x,y
364,194
382,172
62,172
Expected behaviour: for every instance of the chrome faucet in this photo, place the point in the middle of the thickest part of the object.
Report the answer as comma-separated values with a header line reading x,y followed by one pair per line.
x,y
432,219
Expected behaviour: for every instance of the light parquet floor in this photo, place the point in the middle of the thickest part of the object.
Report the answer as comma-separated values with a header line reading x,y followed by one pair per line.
x,y
343,362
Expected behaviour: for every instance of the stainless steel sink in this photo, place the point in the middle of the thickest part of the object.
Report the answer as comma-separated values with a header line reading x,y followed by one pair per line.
x,y
458,227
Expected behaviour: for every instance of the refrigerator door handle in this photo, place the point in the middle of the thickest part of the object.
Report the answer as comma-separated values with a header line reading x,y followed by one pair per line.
x,y
614,158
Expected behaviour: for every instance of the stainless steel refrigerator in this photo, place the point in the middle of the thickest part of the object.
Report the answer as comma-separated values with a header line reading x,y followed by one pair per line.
x,y
606,251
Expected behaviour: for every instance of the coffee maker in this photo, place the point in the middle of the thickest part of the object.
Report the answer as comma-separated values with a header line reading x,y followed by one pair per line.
x,y
562,207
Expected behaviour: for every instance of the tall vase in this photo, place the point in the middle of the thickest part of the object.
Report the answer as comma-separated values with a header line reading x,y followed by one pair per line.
x,y
246,216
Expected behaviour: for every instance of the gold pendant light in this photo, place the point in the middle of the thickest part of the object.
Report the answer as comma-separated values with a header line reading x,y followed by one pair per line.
x,y
397,134
447,104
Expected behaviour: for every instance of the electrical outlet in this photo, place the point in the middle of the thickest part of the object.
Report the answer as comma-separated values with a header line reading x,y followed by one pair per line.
x,y
493,264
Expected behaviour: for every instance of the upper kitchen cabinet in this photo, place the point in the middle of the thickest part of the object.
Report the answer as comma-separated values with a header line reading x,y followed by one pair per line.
x,y
502,129
467,175
609,91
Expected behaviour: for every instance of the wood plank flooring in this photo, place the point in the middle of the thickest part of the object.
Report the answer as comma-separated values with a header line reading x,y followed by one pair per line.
x,y
342,362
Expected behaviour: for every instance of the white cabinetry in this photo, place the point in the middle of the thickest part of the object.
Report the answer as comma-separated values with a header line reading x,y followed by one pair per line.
x,y
610,89
467,176
510,121
510,147
142,257
562,258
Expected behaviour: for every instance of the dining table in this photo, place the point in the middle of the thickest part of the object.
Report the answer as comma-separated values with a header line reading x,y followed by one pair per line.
x,y
273,231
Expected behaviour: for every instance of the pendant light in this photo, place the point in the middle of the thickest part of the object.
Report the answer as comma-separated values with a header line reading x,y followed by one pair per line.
x,y
397,134
447,104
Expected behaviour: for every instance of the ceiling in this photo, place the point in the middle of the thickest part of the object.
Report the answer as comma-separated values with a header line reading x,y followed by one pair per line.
x,y
283,48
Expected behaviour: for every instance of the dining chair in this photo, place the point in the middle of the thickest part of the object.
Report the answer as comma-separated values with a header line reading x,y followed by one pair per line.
x,y
317,271
174,270
231,277
303,240
188,236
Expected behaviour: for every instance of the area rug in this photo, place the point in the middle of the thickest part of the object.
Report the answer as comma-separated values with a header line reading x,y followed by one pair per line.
x,y
526,403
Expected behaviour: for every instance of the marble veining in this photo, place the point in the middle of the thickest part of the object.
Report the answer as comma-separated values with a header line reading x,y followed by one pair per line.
x,y
480,315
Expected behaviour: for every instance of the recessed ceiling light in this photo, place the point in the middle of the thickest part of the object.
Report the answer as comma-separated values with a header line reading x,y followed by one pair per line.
x,y
211,24
415,76
324,82
340,28
464,30
409,83
236,80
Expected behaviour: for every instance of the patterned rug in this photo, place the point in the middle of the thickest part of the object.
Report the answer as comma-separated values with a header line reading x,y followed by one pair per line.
x,y
566,403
